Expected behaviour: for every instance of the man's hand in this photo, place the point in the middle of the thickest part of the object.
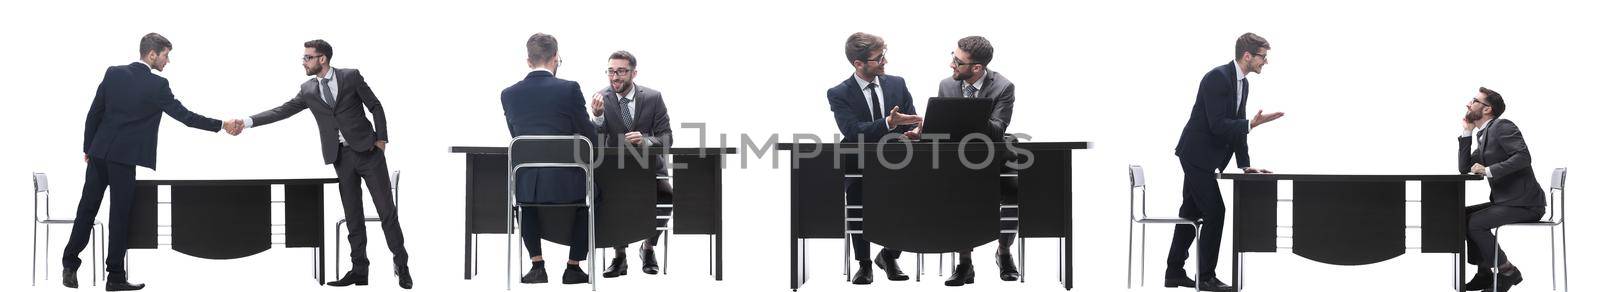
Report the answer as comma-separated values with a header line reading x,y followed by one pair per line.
x,y
597,104
85,158
1262,119
234,126
381,144
915,134
1479,169
634,138
898,119
1468,125
1256,170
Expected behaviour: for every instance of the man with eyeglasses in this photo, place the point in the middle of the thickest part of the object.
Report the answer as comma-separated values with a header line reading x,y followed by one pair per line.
x,y
630,114
1217,131
970,77
1514,195
869,106
353,145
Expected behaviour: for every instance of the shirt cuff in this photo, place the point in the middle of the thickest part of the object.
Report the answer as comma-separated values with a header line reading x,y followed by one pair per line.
x,y
886,124
249,122
648,143
1466,134
1487,172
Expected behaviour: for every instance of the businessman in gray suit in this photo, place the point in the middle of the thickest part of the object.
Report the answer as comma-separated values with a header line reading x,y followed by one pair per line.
x,y
970,77
353,145
1514,195
628,113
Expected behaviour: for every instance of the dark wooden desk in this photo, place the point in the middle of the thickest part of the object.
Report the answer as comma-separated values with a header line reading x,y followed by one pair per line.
x,y
1347,219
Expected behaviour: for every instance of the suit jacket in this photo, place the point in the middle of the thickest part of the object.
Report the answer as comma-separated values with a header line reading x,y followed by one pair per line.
x,y
1506,155
649,119
996,87
345,116
1217,126
854,116
542,104
125,116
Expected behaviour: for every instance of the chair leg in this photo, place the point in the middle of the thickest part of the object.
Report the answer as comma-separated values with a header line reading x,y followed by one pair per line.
x,y
1128,269
511,243
35,255
94,253
1022,257
47,252
1142,259
1495,264
1553,258
338,244
1565,285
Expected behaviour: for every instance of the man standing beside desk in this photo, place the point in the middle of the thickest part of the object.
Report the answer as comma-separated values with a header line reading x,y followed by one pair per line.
x,y
1514,195
868,106
1217,130
120,133
353,145
542,104
971,77
630,113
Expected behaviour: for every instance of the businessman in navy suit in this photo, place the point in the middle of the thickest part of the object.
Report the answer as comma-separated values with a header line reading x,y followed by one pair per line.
x,y
120,133
542,104
1217,130
868,107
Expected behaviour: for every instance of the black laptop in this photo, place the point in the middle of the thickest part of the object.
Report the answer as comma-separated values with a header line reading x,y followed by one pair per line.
x,y
957,117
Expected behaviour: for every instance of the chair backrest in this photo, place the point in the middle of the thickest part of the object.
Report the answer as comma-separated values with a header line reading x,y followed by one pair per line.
x,y
394,186
1558,195
1136,192
550,151
41,187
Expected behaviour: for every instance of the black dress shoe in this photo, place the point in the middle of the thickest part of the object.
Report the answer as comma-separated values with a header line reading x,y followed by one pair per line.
x,y
863,275
1008,268
405,277
648,257
1480,281
350,278
962,275
618,267
574,275
891,268
536,275
1179,281
1508,278
69,278
119,282
1215,285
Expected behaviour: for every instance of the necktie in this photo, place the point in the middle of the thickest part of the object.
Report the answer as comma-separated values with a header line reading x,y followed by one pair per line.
x,y
876,110
627,112
327,95
970,91
1244,95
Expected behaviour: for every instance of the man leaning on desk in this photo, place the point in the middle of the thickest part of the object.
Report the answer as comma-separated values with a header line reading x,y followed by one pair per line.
x,y
1217,131
1514,195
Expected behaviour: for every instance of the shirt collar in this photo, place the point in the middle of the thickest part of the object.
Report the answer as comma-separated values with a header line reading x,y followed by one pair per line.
x,y
981,78
329,77
1485,125
629,94
863,82
1238,73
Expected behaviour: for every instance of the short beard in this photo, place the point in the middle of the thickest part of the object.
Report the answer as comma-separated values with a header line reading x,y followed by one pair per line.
x,y
1473,116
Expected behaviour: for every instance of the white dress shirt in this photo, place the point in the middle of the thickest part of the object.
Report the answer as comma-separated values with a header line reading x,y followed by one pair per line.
x,y
868,92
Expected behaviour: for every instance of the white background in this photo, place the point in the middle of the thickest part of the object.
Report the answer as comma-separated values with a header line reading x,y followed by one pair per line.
x,y
1374,87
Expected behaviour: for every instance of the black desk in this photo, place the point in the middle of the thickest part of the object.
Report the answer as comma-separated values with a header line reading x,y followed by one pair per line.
x,y
697,195
818,207
229,219
1347,219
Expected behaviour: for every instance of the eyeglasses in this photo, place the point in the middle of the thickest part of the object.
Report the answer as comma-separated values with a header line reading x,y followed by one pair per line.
x,y
306,58
1258,55
1475,100
881,57
957,60
618,71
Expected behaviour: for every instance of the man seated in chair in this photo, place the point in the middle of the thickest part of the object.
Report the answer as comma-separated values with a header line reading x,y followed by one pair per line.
x,y
542,104
1502,157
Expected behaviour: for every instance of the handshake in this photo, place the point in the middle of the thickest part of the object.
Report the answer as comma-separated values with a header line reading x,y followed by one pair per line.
x,y
233,127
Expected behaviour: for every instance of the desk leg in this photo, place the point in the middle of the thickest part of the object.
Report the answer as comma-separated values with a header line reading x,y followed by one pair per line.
x,y
322,265
466,258
1461,263
716,217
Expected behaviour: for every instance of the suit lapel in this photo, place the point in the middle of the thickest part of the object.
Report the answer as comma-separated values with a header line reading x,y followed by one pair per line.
x,y
857,100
